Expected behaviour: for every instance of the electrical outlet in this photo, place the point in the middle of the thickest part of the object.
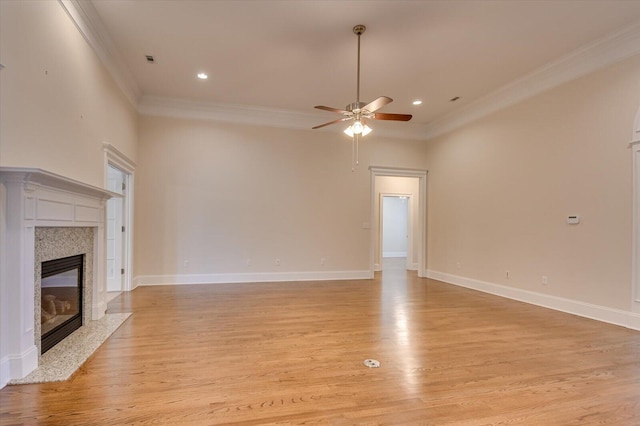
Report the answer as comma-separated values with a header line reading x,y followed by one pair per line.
x,y
277,262
545,280
248,262
458,266
185,264
322,260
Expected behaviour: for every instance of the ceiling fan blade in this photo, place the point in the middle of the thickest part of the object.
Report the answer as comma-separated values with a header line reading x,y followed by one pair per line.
x,y
377,104
389,116
326,108
331,122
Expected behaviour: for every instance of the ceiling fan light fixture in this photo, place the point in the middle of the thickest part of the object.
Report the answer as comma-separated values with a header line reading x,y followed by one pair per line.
x,y
357,128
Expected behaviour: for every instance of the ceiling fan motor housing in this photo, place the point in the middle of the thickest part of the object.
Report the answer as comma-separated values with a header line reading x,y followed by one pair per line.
x,y
354,106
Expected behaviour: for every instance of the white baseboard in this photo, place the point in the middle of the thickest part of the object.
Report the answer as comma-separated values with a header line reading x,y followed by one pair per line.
x,y
412,267
98,310
601,313
4,372
231,278
394,254
18,366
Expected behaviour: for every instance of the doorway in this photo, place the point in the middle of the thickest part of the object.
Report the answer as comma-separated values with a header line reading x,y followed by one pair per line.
x,y
395,230
115,229
119,178
413,185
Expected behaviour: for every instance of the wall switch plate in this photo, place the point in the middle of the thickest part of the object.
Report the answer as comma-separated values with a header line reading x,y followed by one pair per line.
x,y
573,219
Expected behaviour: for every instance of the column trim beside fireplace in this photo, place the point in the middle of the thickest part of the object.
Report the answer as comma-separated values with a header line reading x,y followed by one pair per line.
x,y
31,198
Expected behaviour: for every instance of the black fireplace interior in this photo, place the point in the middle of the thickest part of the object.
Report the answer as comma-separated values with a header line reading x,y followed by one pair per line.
x,y
61,296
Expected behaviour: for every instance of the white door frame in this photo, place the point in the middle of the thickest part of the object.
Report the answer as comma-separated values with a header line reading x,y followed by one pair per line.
x,y
421,220
115,214
120,161
635,250
410,227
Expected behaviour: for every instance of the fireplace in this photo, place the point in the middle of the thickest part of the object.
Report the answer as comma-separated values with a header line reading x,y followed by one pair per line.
x,y
60,299
45,216
63,271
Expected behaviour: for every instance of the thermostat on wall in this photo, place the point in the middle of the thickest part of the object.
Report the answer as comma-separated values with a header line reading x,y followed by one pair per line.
x,y
573,220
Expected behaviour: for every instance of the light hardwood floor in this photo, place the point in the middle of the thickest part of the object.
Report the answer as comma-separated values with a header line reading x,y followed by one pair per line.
x,y
292,353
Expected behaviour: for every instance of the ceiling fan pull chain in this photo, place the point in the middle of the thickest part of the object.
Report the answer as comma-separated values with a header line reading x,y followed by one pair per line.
x,y
355,143
353,154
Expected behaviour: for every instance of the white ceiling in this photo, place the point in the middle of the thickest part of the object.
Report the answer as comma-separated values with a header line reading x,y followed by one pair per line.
x,y
291,55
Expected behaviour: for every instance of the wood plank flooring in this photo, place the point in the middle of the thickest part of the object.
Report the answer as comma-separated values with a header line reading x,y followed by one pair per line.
x,y
292,353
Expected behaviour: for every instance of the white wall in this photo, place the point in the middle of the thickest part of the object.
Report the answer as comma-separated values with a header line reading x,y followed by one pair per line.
x,y
500,190
395,222
58,103
216,195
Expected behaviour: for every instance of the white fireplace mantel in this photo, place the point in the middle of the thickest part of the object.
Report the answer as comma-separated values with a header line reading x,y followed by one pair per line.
x,y
31,198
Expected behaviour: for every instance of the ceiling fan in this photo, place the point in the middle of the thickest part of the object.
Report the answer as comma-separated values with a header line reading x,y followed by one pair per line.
x,y
359,112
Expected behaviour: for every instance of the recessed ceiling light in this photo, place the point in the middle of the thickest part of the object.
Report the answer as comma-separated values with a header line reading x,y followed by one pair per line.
x,y
417,102
150,59
202,76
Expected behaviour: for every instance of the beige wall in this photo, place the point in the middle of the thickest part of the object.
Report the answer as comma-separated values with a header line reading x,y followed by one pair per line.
x,y
217,194
501,188
58,102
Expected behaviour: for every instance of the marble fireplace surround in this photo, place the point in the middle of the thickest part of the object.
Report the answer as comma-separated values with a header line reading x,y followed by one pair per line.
x,y
56,243
35,198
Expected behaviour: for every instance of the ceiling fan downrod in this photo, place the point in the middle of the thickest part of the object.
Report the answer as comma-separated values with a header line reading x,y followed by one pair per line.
x,y
358,30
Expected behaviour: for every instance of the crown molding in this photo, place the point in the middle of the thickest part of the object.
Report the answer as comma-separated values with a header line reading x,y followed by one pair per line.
x,y
259,116
86,18
232,113
589,58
